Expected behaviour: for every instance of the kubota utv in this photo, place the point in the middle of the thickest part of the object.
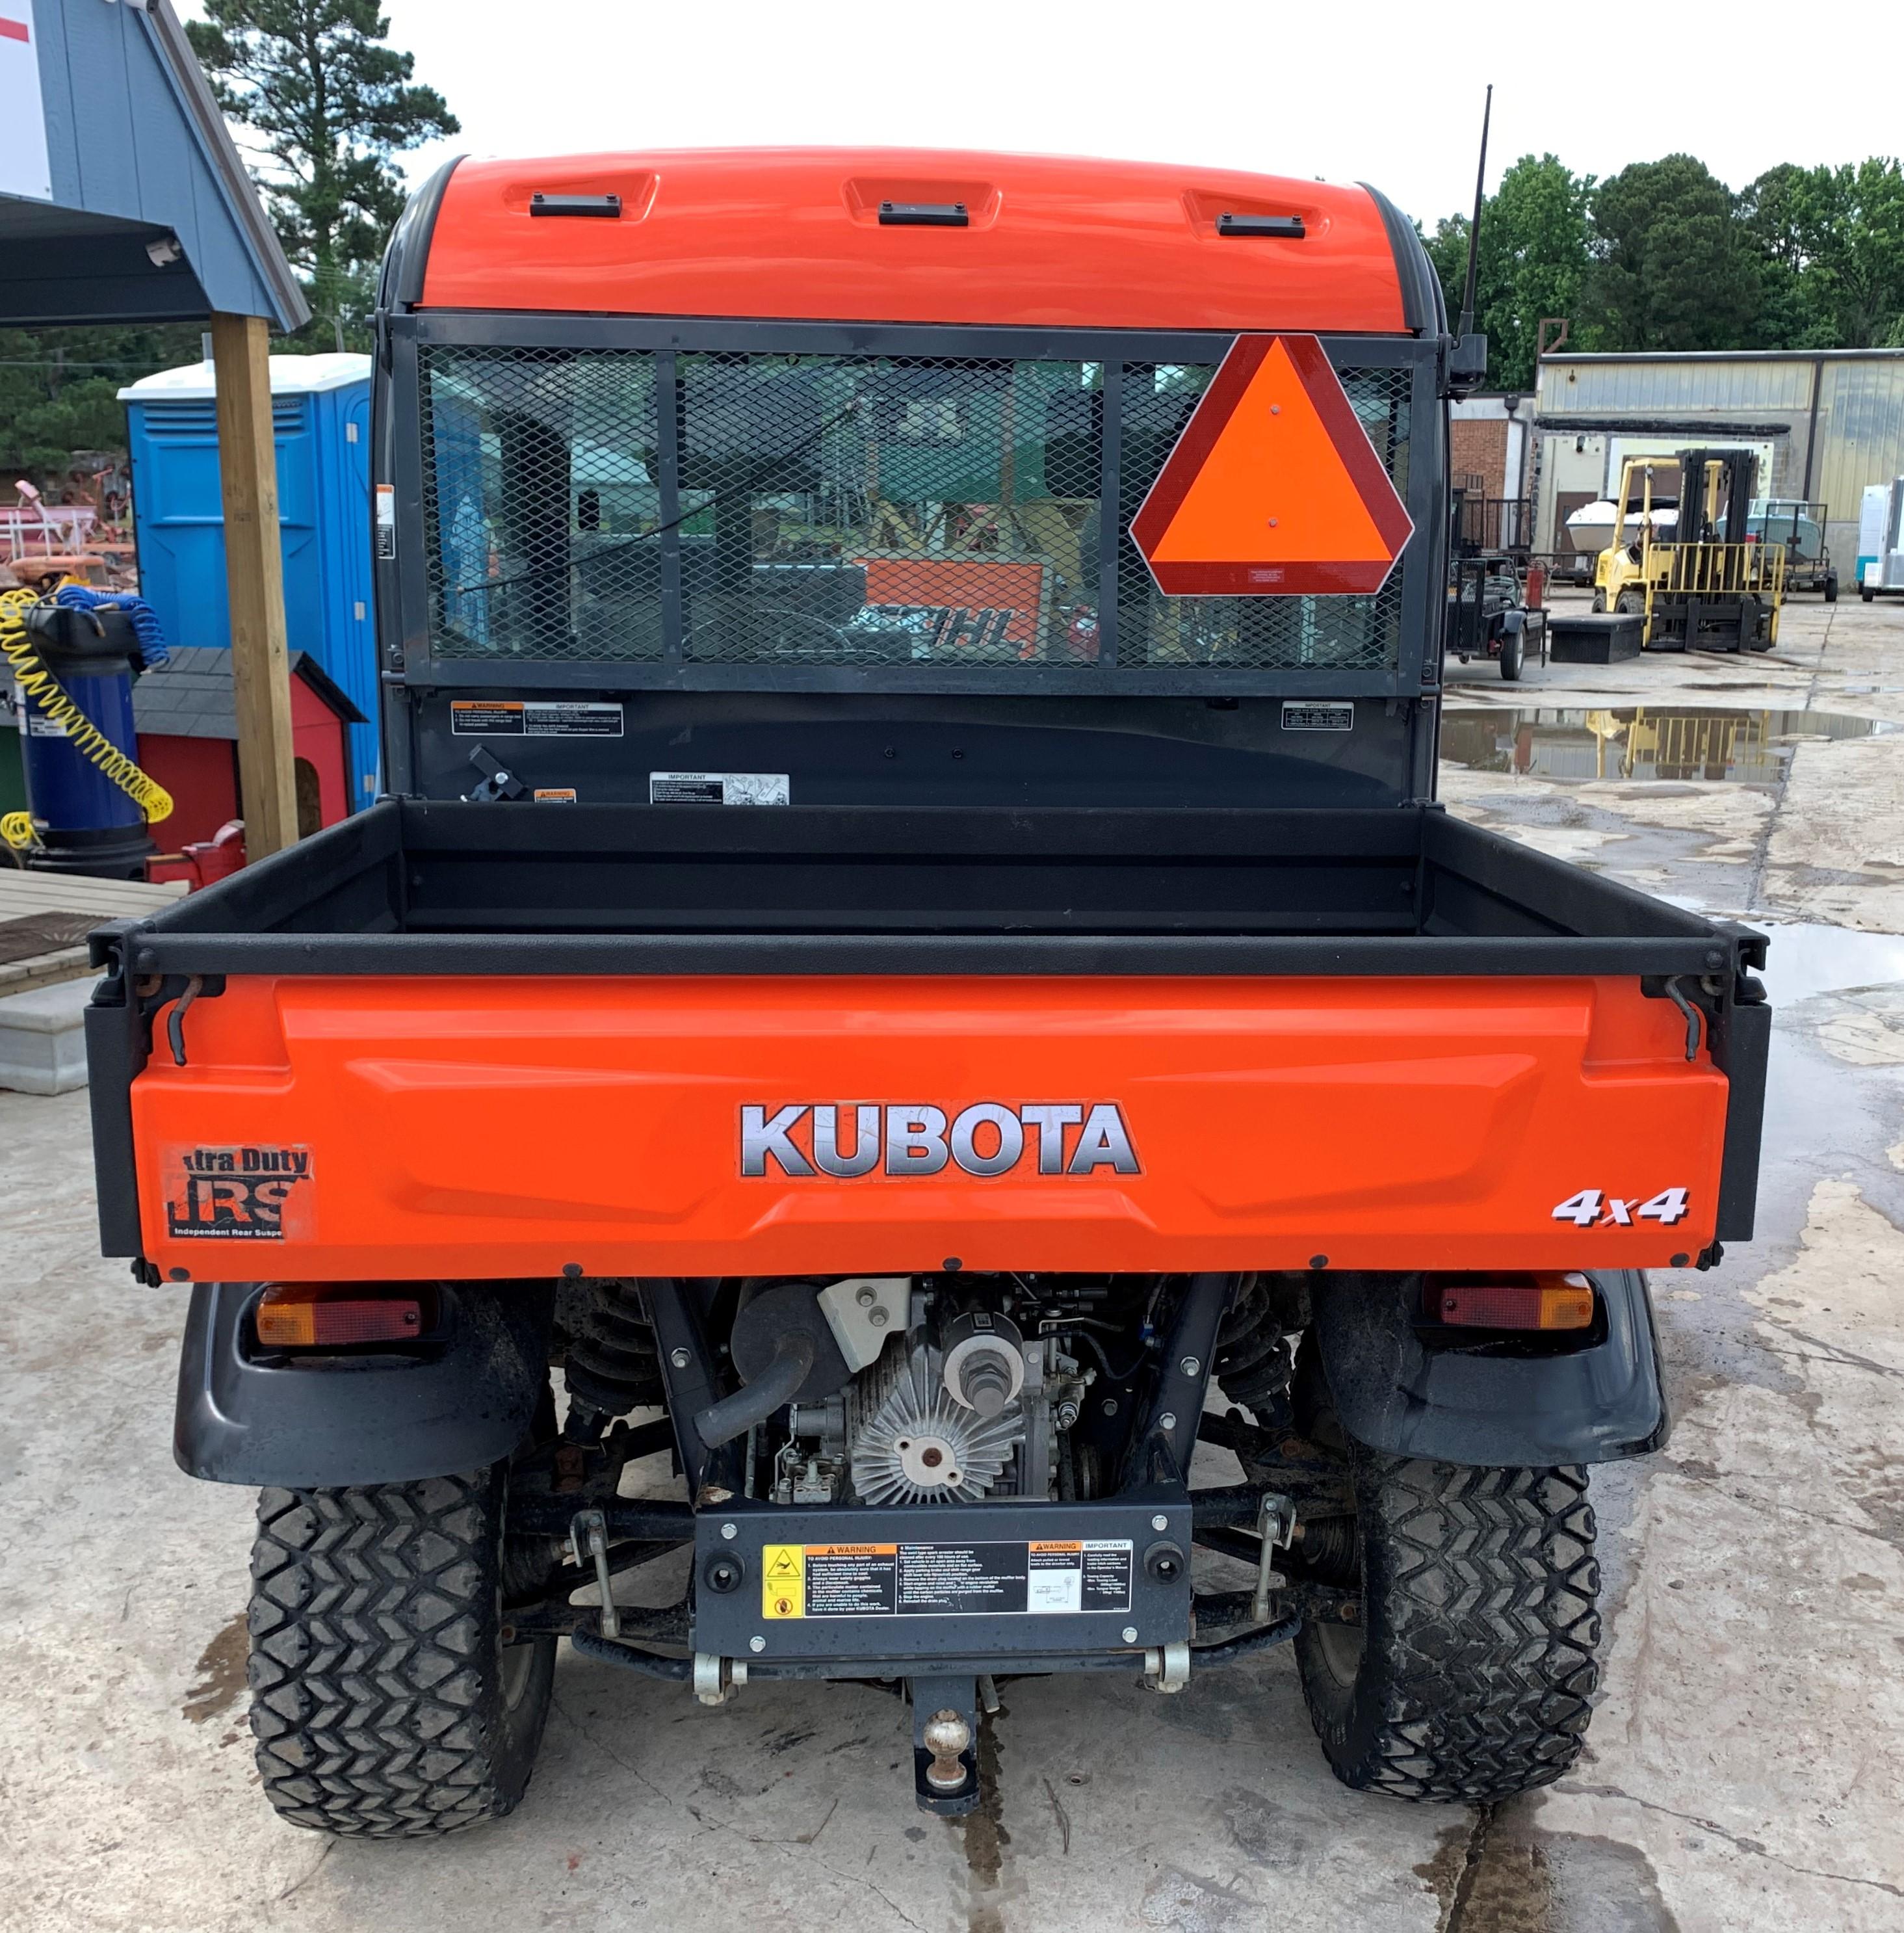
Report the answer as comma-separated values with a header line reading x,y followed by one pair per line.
x,y
908,990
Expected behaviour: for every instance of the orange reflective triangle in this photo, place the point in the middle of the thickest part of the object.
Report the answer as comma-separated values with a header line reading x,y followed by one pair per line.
x,y
1273,488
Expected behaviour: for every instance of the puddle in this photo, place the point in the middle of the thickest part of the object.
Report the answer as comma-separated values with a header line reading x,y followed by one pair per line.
x,y
1804,959
1642,743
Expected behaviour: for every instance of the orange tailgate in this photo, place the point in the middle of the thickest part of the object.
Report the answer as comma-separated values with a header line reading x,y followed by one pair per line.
x,y
337,1129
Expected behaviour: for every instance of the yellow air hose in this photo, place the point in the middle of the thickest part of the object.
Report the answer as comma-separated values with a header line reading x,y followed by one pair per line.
x,y
37,682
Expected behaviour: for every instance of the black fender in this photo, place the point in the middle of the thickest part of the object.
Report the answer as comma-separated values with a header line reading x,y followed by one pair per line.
x,y
245,1415
1480,1406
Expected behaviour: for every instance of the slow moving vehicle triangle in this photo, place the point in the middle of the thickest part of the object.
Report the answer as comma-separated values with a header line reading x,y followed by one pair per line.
x,y
1273,489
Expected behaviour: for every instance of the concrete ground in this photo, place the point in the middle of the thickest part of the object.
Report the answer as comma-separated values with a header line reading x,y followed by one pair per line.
x,y
1746,1767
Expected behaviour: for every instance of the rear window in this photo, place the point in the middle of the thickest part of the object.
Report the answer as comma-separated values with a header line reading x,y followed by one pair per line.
x,y
615,506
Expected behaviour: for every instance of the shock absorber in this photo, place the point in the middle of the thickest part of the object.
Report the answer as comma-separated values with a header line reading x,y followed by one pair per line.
x,y
613,1364
1254,1361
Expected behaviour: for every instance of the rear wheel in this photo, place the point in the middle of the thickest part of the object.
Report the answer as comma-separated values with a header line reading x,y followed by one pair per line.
x,y
1599,603
385,1703
1469,1675
1831,588
1510,656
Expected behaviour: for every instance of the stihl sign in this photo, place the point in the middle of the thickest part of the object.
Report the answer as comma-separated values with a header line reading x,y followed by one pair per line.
x,y
1067,1138
1273,489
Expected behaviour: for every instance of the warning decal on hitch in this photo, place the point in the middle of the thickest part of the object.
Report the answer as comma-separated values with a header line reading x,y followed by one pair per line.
x,y
245,1193
863,1580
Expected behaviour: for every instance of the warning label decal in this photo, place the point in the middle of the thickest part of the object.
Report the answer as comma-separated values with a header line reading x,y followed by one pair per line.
x,y
533,718
783,1581
246,1193
863,1580
718,789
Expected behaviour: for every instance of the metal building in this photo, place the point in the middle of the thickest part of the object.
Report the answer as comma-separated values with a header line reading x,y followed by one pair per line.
x,y
1824,424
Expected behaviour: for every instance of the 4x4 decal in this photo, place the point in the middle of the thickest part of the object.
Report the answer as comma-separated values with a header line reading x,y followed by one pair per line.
x,y
1590,1209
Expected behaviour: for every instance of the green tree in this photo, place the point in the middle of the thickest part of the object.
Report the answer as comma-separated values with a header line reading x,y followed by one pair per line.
x,y
331,105
1532,260
59,393
1673,267
1831,244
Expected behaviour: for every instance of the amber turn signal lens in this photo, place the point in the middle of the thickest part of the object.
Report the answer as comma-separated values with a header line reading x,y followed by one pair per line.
x,y
1536,1302
336,1315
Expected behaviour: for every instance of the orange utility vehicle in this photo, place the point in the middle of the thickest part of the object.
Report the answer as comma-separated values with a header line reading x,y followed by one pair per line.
x,y
910,966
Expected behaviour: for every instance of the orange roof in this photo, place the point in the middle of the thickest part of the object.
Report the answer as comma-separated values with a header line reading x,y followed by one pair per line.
x,y
795,234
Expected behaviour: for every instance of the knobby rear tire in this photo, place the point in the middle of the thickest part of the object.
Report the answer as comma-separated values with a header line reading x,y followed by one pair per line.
x,y
1470,1676
384,1704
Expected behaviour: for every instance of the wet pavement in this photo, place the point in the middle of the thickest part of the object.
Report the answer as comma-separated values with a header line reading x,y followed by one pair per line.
x,y
1746,1765
1663,745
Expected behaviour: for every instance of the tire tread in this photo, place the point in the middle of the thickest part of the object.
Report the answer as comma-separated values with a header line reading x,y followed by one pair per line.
x,y
1480,1664
374,1675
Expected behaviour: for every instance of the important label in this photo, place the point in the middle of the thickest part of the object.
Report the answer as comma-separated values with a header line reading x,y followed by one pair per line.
x,y
533,718
873,1580
718,789
1312,717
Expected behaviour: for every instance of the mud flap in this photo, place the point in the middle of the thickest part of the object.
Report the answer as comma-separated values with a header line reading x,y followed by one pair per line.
x,y
1481,1406
246,1416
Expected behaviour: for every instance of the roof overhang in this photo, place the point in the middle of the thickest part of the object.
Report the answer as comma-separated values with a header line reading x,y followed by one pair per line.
x,y
152,216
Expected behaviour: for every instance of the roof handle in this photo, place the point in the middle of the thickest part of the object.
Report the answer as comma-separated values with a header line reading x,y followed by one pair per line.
x,y
924,214
604,207
1261,227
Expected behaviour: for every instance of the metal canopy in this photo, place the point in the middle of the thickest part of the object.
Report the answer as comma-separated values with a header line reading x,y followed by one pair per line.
x,y
137,208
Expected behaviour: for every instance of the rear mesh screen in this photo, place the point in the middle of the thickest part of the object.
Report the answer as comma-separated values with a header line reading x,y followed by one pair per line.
x,y
618,505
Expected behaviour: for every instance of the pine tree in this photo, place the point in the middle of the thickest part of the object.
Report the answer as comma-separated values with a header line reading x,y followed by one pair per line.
x,y
331,105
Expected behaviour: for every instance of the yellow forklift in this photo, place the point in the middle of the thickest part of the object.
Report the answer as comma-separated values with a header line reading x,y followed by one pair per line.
x,y
1694,589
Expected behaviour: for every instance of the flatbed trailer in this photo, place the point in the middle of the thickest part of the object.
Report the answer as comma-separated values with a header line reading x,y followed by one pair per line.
x,y
921,992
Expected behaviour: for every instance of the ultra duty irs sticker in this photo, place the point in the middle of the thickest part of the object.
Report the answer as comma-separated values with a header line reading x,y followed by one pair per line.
x,y
253,1193
533,718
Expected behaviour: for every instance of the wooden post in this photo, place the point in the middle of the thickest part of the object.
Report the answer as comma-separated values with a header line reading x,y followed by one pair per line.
x,y
255,580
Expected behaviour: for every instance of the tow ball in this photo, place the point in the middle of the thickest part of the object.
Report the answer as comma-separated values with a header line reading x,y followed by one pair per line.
x,y
944,1744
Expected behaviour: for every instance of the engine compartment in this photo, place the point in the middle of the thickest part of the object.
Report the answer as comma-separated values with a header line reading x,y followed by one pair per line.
x,y
959,1390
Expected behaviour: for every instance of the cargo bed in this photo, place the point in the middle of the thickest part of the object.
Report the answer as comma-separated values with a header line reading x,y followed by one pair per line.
x,y
1382,1038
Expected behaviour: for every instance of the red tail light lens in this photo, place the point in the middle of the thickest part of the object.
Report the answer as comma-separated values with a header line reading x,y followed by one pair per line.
x,y
336,1315
1530,1302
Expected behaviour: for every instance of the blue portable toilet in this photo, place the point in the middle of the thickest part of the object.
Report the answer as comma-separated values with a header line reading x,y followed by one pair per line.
x,y
321,410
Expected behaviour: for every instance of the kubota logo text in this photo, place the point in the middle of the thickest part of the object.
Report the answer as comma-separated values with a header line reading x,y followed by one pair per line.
x,y
987,1138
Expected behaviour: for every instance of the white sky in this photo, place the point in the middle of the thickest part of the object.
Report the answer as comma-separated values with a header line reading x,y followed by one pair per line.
x,y
1370,90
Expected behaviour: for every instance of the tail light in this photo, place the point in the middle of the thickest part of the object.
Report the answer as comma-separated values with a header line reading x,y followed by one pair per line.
x,y
337,1316
1523,1302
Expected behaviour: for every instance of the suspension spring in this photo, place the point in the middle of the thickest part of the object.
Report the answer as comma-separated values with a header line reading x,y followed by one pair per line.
x,y
1254,1361
613,1364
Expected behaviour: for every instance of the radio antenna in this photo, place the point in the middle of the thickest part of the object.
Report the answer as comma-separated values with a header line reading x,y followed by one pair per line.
x,y
1474,227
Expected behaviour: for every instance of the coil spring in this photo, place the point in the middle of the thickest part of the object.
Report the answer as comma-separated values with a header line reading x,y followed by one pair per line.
x,y
613,1363
1254,1361
1329,1549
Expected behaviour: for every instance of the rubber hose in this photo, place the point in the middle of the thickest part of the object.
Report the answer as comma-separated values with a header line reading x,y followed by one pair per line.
x,y
734,1415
